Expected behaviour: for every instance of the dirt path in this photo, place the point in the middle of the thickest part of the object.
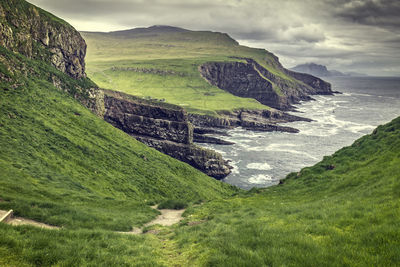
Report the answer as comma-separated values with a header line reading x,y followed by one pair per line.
x,y
22,221
166,218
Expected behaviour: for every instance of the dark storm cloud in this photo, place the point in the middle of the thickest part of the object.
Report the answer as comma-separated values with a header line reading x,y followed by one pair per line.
x,y
344,34
381,13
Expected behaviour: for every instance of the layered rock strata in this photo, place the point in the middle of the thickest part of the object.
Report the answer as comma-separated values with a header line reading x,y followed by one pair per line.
x,y
164,127
257,120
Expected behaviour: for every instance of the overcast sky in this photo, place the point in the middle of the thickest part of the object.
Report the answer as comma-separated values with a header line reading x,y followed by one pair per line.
x,y
347,35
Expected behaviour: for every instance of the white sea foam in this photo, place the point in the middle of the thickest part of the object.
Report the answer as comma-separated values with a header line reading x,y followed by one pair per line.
x,y
259,166
360,128
260,179
235,168
358,94
282,148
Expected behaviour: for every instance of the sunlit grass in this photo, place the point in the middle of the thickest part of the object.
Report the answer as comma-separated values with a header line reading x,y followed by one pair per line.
x,y
109,59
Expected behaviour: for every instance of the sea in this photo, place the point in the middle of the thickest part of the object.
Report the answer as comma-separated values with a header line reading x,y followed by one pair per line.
x,y
261,159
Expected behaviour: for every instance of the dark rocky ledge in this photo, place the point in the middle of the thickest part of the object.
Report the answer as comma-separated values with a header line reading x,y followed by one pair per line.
x,y
201,138
256,120
162,126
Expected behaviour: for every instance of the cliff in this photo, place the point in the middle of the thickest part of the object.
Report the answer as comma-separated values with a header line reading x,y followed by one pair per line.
x,y
164,127
250,79
39,35
256,120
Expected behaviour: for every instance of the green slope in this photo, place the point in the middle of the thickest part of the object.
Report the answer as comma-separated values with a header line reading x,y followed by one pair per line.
x,y
62,165
344,211
163,64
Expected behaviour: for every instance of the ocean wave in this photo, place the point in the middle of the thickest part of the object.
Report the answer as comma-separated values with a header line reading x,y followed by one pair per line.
x,y
359,94
260,179
282,148
259,166
235,168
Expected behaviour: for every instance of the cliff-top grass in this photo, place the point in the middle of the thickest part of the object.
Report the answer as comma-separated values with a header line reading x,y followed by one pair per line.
x,y
165,66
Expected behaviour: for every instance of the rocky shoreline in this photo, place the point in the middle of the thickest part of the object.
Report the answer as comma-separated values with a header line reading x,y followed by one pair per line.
x,y
171,130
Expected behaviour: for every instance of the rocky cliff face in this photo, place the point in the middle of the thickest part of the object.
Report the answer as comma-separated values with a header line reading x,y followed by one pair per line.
x,y
37,34
164,127
250,79
256,120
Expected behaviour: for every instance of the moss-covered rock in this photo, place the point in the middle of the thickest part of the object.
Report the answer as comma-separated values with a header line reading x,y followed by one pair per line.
x,y
36,34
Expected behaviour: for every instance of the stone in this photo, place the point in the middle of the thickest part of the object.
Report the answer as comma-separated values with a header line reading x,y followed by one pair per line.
x,y
250,79
37,32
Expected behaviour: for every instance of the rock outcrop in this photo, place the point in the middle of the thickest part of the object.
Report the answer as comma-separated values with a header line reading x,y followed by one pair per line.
x,y
250,79
164,127
37,34
256,120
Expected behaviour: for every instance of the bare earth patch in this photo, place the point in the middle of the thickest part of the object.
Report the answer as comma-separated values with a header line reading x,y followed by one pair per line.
x,y
166,218
22,221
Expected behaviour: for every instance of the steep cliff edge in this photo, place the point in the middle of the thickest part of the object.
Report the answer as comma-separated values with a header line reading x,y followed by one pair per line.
x,y
37,34
164,127
256,120
247,78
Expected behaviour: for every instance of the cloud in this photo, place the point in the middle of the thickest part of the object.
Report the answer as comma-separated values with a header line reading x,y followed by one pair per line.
x,y
344,33
380,13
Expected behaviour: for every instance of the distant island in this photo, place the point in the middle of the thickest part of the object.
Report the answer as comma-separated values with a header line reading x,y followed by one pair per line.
x,y
322,71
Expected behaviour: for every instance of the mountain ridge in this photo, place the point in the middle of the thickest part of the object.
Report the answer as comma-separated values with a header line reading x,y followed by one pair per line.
x,y
322,71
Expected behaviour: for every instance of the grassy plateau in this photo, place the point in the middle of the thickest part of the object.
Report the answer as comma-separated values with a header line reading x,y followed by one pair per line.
x,y
163,64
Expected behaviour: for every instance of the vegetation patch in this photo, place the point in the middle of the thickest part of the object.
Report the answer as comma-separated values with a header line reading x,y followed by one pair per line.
x,y
166,67
173,204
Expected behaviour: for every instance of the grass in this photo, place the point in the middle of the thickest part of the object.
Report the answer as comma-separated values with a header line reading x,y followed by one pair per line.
x,y
345,216
341,212
122,63
62,165
175,204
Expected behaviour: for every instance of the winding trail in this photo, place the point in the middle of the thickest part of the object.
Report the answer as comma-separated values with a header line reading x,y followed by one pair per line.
x,y
167,217
10,219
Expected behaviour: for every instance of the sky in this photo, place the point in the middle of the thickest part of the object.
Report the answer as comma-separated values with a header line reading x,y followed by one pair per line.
x,y
347,35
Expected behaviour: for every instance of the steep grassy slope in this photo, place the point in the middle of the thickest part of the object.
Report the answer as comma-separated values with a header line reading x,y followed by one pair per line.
x,y
162,62
62,165
344,211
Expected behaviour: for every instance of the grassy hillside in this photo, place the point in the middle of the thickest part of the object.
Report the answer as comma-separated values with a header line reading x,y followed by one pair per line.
x,y
62,165
344,211
163,64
